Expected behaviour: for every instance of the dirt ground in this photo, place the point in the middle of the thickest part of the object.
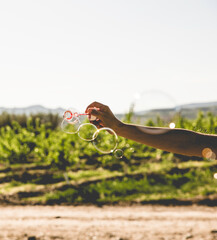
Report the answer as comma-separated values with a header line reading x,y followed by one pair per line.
x,y
107,223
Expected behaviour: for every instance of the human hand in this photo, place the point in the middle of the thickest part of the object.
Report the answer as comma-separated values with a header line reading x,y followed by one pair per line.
x,y
104,116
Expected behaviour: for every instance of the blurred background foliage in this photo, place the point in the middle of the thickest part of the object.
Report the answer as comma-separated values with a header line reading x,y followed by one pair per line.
x,y
40,164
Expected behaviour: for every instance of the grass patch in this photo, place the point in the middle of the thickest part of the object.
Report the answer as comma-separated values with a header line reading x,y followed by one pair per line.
x,y
138,188
149,181
15,187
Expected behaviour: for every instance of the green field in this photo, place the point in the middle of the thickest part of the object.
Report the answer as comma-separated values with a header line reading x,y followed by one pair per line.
x,y
40,164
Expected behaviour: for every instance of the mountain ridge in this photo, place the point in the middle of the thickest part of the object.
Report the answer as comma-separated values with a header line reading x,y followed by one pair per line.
x,y
34,109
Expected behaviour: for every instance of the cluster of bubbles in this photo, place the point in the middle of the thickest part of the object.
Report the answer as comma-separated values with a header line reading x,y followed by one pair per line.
x,y
105,139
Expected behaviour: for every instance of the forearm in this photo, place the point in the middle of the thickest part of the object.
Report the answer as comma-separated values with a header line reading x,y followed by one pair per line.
x,y
179,141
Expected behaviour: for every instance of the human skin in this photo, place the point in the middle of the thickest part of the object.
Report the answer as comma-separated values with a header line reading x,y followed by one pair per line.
x,y
176,140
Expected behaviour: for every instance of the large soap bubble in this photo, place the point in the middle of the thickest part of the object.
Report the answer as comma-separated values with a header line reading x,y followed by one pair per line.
x,y
155,105
105,140
86,131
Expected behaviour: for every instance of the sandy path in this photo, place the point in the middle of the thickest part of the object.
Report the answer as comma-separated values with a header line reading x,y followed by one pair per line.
x,y
113,223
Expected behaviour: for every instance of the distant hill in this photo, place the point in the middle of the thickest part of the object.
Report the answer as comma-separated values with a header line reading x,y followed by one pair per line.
x,y
31,110
191,110
199,105
186,110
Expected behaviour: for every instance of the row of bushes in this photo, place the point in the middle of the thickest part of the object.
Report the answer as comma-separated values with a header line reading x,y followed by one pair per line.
x,y
39,139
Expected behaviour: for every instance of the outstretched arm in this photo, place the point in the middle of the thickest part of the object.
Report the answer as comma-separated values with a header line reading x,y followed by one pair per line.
x,y
176,140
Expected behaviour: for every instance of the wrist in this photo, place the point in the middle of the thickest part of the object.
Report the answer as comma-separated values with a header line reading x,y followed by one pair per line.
x,y
118,126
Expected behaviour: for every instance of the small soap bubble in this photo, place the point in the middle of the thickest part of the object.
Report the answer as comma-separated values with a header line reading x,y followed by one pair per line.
x,y
86,131
69,114
118,153
208,153
131,149
105,140
172,125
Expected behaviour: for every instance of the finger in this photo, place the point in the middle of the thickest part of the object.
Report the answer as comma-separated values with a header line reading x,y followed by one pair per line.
x,y
97,121
101,106
92,105
94,112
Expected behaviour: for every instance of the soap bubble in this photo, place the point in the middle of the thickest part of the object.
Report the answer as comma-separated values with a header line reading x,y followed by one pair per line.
x,y
155,105
86,131
208,154
71,114
172,125
67,115
105,140
131,149
70,126
118,153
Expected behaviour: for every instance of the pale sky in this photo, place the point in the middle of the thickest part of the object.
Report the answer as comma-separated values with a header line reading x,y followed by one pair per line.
x,y
70,53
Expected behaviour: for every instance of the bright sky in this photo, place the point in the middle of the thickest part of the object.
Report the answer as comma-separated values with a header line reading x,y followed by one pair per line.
x,y
70,53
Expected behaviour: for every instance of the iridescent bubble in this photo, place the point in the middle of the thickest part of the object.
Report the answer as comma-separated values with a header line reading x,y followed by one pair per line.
x,y
105,140
118,153
67,115
172,125
86,131
208,153
70,126
131,149
155,105
70,114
